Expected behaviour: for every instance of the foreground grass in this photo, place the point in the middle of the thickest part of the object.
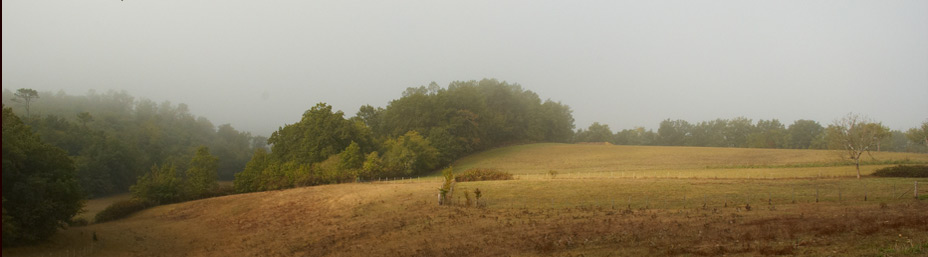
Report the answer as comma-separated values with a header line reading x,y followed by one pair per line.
x,y
403,219
605,201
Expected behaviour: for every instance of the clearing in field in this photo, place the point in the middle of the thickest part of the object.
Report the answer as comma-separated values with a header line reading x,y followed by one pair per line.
x,y
714,201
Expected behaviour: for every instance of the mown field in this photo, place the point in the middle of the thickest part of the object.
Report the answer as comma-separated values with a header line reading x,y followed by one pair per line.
x,y
677,201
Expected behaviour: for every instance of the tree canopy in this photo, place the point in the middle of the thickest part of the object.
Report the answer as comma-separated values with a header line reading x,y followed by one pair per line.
x,y
426,128
40,190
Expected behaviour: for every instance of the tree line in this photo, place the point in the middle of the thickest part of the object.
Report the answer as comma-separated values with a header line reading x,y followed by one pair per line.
x,y
113,138
428,127
745,133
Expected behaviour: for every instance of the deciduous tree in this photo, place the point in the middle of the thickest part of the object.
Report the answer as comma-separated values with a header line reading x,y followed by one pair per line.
x,y
855,135
40,191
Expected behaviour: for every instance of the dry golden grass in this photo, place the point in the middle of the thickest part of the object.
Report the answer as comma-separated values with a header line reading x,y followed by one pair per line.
x,y
403,219
662,161
586,210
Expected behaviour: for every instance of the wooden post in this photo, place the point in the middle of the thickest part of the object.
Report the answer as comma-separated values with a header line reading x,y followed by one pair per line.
x,y
916,189
816,193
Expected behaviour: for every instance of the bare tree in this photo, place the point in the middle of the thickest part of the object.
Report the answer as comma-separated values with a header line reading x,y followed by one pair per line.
x,y
856,135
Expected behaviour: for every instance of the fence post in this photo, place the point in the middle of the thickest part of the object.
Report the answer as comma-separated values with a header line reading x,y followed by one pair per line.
x,y
916,190
816,193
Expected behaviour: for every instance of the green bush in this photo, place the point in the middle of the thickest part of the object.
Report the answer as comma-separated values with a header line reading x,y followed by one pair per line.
x,y
121,209
483,174
904,171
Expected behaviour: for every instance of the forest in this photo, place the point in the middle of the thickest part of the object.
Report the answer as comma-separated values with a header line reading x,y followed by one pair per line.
x,y
113,138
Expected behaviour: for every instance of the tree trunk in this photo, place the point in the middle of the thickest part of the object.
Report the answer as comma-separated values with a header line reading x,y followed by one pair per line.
x,y
858,166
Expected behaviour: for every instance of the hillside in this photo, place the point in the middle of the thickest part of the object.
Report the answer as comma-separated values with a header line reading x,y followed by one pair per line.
x,y
591,214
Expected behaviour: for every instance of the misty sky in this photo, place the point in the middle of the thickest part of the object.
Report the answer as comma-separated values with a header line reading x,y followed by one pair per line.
x,y
259,64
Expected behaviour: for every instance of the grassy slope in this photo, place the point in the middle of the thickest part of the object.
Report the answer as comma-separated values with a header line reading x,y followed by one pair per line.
x,y
591,214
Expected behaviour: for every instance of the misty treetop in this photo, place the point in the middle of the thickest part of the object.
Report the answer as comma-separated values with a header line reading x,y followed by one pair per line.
x,y
113,138
426,128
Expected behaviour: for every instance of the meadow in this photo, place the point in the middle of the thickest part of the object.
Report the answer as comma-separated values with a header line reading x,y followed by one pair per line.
x,y
604,201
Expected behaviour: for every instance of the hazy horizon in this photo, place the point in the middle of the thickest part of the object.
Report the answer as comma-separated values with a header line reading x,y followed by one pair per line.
x,y
260,65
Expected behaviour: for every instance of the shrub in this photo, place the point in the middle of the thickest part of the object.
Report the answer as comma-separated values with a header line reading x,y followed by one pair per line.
x,y
446,191
122,209
552,173
905,171
483,174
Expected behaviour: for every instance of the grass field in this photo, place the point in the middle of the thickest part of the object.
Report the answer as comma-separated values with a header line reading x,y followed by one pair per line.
x,y
676,162
590,209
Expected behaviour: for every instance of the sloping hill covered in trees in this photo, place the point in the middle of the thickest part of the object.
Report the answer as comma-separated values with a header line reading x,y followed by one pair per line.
x,y
426,128
114,137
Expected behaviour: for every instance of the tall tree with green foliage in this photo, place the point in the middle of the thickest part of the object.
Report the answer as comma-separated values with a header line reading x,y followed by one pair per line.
x,y
674,132
249,180
351,158
40,190
408,155
804,133
202,174
319,134
768,134
25,96
919,135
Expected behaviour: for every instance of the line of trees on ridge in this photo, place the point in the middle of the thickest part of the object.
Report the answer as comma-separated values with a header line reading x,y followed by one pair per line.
x,y
745,133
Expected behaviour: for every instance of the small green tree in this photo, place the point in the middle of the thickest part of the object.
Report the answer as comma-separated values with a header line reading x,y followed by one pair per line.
x,y
351,158
202,174
249,180
446,191
373,166
161,185
409,154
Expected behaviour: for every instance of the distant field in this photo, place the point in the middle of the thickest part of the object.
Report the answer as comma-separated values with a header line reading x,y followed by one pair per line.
x,y
675,162
606,201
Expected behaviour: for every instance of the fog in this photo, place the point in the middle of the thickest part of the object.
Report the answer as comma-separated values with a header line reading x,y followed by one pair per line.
x,y
259,64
